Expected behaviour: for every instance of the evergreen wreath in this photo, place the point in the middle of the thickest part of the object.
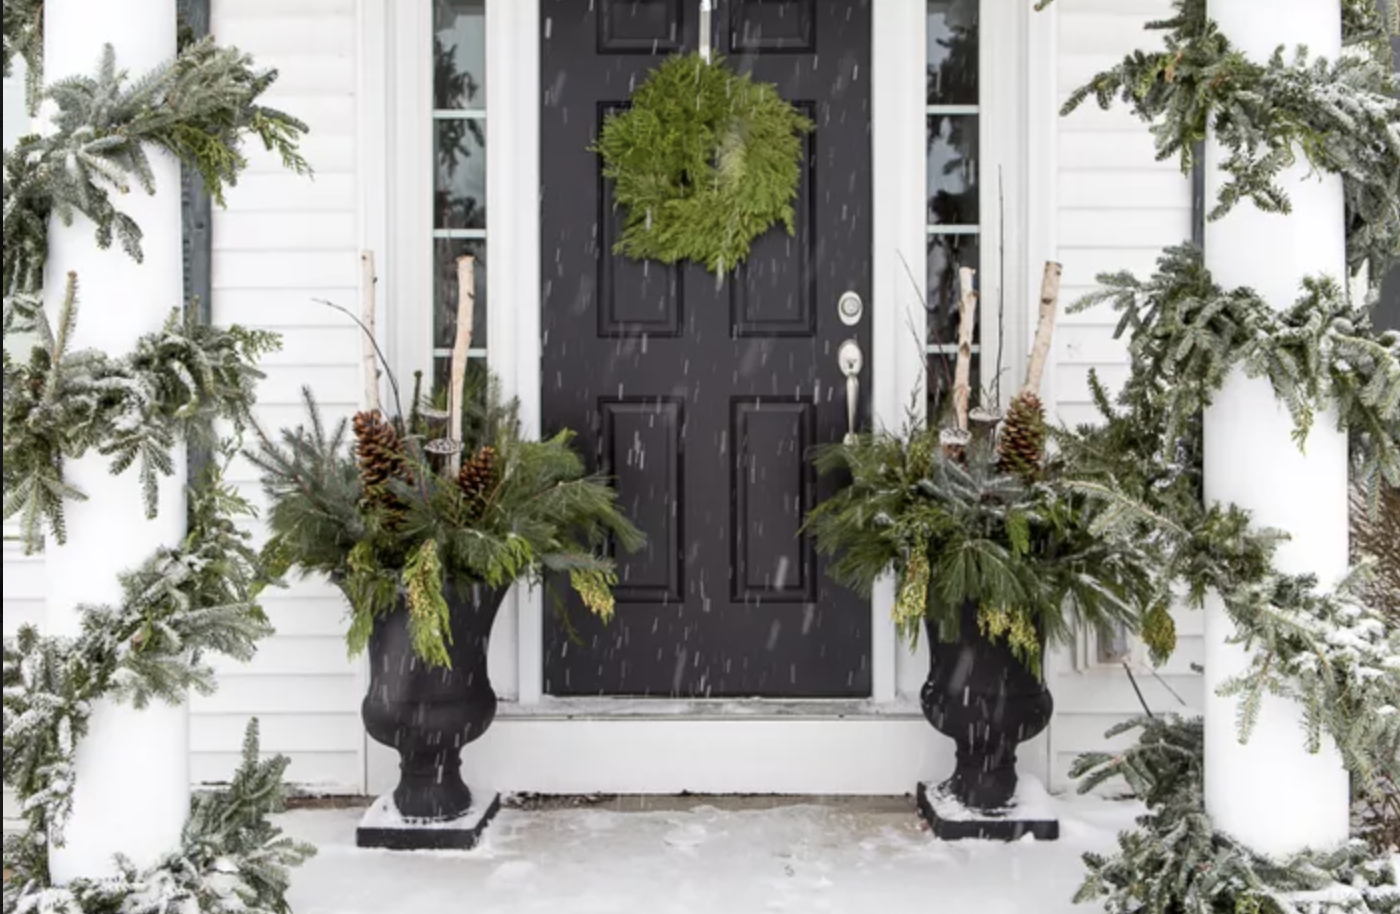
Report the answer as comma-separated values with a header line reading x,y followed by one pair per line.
x,y
184,602
704,161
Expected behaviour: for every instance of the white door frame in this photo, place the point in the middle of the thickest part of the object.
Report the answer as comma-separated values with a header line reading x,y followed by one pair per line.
x,y
535,733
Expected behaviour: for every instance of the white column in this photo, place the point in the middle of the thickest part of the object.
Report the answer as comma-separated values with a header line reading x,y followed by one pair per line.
x,y
1271,793
132,791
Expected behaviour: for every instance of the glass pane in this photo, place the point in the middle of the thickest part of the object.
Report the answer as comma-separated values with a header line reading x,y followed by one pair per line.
x,y
445,255
946,255
940,387
953,160
952,52
459,54
459,194
475,384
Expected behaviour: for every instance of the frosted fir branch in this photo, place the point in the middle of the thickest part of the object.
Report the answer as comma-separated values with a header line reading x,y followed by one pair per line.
x,y
179,607
1340,117
133,409
232,859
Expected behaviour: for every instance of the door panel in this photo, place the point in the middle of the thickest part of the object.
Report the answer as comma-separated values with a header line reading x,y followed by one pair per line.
x,y
702,398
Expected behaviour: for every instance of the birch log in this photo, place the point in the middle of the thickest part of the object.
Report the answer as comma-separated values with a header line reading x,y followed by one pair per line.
x,y
967,323
466,312
1045,330
369,359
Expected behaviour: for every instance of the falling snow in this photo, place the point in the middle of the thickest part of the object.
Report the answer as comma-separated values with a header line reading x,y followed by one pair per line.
x,y
692,857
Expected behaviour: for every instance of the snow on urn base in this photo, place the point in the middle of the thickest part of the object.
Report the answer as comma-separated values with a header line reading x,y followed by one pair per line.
x,y
1028,813
428,715
983,698
384,827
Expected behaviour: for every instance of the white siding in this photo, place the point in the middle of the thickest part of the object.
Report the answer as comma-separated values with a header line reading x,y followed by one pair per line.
x,y
282,242
1117,209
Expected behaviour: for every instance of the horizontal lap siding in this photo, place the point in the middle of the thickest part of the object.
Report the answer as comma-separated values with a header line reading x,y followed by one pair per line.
x,y
1118,207
283,242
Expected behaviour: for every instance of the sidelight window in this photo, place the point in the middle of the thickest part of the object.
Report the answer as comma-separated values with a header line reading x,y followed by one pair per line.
x,y
459,220
954,217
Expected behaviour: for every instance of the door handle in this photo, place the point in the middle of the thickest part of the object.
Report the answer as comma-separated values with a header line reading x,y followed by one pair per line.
x,y
852,362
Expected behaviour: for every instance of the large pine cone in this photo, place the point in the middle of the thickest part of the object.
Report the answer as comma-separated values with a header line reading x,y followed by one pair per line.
x,y
382,457
477,480
1023,436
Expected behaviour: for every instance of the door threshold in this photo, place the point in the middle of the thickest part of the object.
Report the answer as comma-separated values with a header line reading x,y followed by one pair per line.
x,y
604,708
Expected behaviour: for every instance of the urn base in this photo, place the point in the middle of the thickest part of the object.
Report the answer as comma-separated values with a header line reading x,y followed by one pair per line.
x,y
950,820
382,827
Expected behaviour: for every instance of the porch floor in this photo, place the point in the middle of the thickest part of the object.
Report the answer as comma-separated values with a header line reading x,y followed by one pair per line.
x,y
704,855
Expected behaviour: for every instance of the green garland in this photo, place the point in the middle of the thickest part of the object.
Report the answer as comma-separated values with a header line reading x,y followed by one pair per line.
x,y
62,404
1322,353
201,107
1177,863
232,859
185,602
1343,117
1333,652
704,161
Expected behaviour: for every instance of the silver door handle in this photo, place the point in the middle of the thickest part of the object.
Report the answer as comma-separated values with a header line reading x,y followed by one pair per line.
x,y
852,362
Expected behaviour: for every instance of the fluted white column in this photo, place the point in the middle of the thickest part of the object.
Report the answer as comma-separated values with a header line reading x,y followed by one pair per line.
x,y
1271,793
132,791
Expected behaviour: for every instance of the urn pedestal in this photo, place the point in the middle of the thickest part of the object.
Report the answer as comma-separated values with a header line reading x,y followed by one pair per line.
x,y
983,698
428,715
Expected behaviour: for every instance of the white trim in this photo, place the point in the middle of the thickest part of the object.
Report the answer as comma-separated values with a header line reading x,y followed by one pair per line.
x,y
408,273
899,111
1040,145
899,265
373,158
513,193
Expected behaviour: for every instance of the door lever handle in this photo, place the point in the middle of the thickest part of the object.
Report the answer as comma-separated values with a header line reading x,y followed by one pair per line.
x,y
852,362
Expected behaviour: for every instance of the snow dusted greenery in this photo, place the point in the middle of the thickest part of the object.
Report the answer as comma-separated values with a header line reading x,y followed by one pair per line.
x,y
389,524
1321,353
200,107
1335,651
1024,547
1177,863
188,601
135,409
232,860
1342,117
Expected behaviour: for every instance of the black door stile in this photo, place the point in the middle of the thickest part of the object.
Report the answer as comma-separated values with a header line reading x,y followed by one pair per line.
x,y
704,399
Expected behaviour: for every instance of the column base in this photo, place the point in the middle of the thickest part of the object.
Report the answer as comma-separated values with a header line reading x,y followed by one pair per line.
x,y
382,827
950,820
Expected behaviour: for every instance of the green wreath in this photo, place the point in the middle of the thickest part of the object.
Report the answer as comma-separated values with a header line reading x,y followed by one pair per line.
x,y
704,161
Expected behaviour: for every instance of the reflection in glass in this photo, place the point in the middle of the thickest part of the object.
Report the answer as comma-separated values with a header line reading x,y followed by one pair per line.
x,y
459,54
952,52
459,192
953,160
445,254
940,386
946,255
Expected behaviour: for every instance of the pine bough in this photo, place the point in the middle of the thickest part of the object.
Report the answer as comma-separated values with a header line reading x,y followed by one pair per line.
x,y
187,601
1177,863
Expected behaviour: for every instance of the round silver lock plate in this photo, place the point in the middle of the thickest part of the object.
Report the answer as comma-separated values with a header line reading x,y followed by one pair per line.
x,y
851,309
850,358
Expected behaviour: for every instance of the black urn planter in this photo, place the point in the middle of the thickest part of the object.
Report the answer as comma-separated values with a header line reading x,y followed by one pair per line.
x,y
984,699
428,715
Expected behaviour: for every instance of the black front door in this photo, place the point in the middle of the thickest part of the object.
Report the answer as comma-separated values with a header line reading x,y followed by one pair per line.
x,y
704,399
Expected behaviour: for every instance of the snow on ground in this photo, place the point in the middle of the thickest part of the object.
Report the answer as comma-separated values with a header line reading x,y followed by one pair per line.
x,y
710,857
